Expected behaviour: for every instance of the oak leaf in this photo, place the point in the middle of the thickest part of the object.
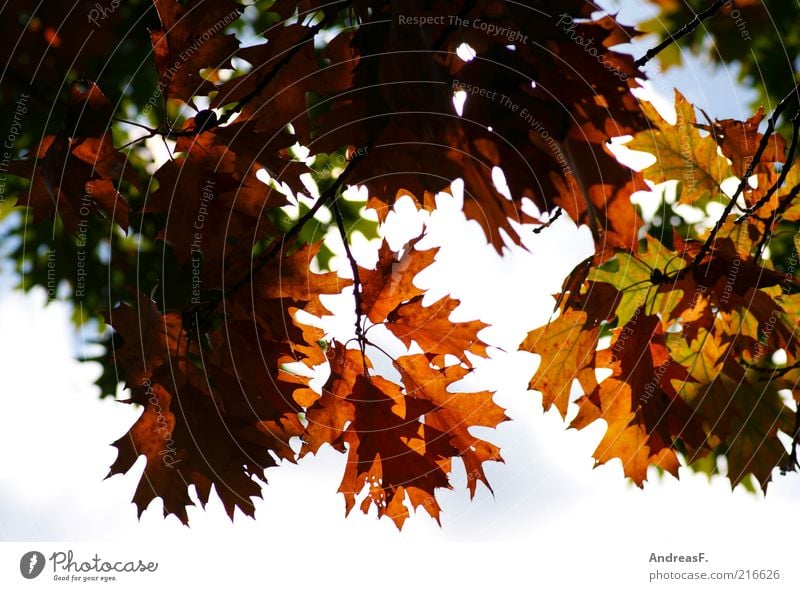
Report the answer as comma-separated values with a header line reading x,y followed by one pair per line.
x,y
683,154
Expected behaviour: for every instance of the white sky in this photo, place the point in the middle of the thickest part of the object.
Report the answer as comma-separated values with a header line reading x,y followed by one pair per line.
x,y
553,522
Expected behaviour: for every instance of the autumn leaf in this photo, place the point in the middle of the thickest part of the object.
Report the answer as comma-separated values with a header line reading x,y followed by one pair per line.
x,y
744,414
431,328
77,172
454,412
643,383
390,452
147,338
391,283
739,141
167,433
190,40
632,277
682,154
567,349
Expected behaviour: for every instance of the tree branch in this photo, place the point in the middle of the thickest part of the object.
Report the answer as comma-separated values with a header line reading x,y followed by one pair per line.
x,y
170,132
775,372
681,33
327,196
153,133
776,214
549,222
784,173
762,146
792,461
337,214
205,308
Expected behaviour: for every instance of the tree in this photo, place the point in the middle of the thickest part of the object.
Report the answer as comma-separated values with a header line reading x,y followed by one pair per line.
x,y
210,265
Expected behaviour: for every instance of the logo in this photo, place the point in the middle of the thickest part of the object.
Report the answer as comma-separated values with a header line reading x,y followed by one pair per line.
x,y
31,564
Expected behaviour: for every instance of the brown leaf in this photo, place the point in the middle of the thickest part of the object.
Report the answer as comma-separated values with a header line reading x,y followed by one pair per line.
x,y
149,338
431,328
455,412
189,41
635,399
76,173
739,141
391,282
390,451
566,347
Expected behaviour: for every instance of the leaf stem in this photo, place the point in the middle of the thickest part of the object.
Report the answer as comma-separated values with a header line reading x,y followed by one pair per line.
x,y
337,212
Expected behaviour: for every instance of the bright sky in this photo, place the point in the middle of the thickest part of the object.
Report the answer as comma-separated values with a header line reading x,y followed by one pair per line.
x,y
553,522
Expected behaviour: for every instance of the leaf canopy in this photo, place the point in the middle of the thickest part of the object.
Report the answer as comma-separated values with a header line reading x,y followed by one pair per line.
x,y
199,180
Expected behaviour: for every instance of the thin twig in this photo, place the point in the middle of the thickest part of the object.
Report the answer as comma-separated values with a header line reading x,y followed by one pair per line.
x,y
337,214
549,222
134,123
329,194
379,348
153,133
681,33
